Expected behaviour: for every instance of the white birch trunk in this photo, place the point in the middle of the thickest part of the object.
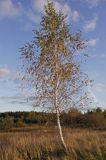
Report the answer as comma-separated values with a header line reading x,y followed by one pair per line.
x,y
60,130
58,112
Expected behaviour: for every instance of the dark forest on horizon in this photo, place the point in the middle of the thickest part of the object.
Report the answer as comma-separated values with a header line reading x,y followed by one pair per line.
x,y
95,119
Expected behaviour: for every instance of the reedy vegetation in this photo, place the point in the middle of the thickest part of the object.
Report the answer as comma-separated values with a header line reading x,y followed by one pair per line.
x,y
44,144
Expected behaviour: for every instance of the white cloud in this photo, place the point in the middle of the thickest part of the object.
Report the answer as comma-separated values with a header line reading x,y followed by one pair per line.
x,y
11,9
90,25
102,55
30,15
38,5
92,42
4,72
72,14
75,15
99,87
8,9
94,100
94,3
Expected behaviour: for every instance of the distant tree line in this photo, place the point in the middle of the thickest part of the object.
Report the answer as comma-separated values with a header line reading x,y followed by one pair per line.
x,y
74,118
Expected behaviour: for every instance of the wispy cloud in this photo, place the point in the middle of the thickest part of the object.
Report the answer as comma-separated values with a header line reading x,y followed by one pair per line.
x,y
94,100
92,42
39,5
102,55
4,72
73,14
18,99
32,17
93,3
13,9
99,87
90,25
9,9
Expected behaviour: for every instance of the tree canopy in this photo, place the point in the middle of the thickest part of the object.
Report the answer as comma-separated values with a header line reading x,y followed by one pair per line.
x,y
50,62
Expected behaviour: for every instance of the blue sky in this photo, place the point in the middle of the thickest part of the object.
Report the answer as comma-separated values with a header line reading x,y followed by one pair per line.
x,y
17,20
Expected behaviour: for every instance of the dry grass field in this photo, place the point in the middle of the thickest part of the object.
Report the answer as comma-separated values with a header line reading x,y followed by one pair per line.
x,y
43,143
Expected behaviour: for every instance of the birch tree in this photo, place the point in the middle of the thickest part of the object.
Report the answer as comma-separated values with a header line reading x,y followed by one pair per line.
x,y
50,65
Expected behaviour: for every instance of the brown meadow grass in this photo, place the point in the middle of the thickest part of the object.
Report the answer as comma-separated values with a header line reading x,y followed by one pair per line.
x,y
42,143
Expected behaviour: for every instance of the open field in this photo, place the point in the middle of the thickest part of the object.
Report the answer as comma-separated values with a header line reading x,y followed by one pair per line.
x,y
43,144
